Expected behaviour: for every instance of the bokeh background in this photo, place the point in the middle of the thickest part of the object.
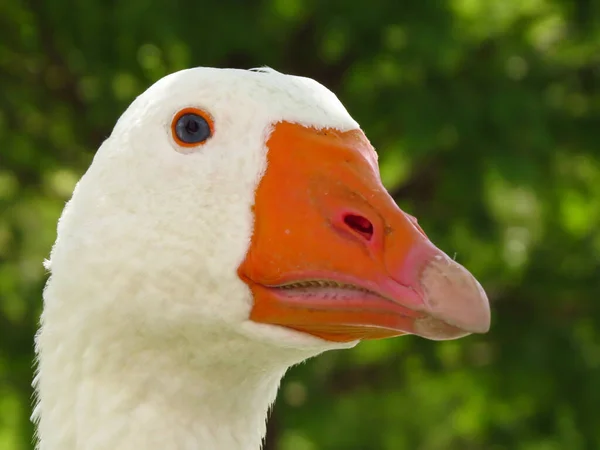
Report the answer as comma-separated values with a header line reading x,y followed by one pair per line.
x,y
486,115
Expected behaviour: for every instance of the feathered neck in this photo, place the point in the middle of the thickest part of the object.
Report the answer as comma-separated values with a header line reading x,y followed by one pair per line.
x,y
99,389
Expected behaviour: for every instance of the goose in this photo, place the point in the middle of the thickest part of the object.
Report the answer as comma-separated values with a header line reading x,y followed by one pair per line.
x,y
232,225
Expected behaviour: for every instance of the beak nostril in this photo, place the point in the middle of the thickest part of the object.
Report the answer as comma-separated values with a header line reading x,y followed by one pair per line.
x,y
360,225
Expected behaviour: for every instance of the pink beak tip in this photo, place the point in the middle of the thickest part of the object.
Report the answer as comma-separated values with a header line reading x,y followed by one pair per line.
x,y
454,296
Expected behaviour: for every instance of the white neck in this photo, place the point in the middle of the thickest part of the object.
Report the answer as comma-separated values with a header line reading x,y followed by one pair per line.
x,y
99,391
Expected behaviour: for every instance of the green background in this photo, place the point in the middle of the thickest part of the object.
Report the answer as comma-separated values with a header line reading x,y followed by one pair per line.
x,y
486,115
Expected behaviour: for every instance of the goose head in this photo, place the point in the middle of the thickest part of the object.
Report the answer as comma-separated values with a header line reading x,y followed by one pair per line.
x,y
251,201
241,214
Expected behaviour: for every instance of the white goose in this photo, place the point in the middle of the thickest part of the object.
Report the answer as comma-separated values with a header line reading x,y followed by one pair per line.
x,y
233,225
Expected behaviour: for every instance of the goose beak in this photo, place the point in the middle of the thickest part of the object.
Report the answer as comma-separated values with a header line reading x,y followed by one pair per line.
x,y
332,255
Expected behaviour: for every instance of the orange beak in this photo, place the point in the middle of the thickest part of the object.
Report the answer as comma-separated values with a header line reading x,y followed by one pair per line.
x,y
332,255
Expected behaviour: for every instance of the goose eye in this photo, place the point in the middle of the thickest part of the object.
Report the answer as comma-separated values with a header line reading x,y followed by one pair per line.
x,y
191,127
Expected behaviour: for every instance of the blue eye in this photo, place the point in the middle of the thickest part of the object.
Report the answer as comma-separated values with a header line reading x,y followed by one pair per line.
x,y
191,129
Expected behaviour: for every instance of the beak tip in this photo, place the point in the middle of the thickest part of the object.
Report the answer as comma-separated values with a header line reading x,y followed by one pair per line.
x,y
454,296
481,327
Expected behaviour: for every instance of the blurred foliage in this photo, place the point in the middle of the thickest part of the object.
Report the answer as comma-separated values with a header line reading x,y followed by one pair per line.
x,y
486,114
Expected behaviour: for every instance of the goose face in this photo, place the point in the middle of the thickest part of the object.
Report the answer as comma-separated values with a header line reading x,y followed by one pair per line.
x,y
265,217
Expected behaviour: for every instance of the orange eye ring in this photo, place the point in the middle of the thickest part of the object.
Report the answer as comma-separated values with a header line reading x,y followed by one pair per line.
x,y
192,127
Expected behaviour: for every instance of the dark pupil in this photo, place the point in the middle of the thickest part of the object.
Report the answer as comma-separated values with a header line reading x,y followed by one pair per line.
x,y
192,128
